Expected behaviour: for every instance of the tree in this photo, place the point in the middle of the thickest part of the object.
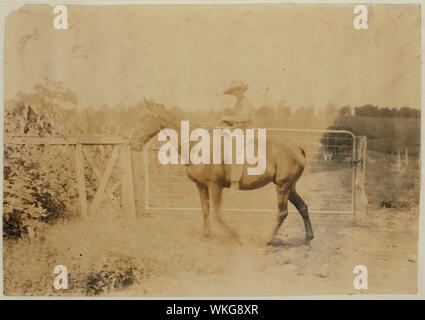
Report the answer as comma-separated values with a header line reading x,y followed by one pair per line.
x,y
344,111
367,110
386,112
330,110
48,99
264,111
284,110
407,112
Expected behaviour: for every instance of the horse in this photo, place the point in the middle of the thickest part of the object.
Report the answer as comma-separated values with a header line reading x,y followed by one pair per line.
x,y
284,166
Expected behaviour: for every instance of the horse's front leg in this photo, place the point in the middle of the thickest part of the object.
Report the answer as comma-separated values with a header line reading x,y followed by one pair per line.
x,y
205,205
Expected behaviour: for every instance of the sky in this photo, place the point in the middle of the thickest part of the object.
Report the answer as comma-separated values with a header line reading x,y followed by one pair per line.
x,y
186,56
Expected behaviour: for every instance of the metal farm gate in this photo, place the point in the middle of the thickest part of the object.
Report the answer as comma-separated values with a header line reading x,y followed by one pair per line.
x,y
332,182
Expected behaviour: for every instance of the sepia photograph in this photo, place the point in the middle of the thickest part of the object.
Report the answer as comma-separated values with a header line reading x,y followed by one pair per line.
x,y
211,150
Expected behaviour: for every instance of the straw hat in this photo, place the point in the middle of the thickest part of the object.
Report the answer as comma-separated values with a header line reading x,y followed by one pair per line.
x,y
236,85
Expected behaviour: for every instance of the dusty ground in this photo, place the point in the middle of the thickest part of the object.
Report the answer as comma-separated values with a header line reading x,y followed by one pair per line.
x,y
165,255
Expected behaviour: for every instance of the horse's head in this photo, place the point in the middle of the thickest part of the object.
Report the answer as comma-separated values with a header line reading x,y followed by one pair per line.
x,y
150,122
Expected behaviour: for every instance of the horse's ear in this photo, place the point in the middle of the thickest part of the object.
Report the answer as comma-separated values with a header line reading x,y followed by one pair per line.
x,y
146,100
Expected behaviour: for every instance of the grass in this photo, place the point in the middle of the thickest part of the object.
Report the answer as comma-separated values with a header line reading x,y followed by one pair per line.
x,y
391,185
103,254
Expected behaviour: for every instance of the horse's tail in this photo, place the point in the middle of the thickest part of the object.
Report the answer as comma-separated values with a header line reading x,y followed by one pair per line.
x,y
302,151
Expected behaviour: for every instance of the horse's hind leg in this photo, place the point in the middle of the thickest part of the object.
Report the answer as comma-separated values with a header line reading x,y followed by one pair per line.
x,y
205,204
303,209
282,203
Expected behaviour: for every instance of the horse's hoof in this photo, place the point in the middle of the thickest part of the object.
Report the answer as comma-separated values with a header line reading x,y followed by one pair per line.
x,y
236,238
276,243
307,241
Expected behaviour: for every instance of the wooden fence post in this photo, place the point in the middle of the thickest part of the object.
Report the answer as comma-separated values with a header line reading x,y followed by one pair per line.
x,y
127,186
81,182
360,180
138,180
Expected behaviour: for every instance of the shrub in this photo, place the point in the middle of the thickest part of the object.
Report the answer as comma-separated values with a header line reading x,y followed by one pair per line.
x,y
38,182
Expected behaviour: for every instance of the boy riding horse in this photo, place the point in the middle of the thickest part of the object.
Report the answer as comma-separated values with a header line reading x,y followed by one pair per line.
x,y
242,118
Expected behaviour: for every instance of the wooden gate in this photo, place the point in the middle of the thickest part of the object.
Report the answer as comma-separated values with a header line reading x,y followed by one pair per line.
x,y
121,153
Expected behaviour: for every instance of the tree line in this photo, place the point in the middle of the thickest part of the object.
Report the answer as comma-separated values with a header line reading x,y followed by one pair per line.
x,y
375,111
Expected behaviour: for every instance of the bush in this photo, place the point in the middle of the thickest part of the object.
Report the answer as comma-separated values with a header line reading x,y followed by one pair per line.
x,y
38,182
118,274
